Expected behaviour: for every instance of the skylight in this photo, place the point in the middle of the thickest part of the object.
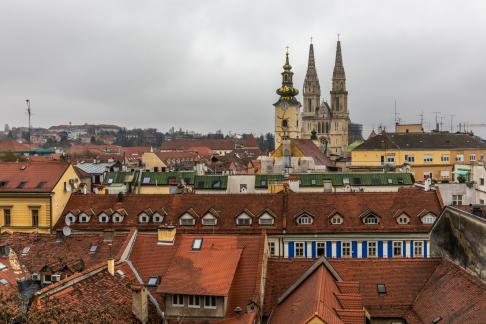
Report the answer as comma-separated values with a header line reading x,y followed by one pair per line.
x,y
381,288
120,272
197,244
110,181
3,282
2,266
41,184
93,248
146,180
152,281
25,250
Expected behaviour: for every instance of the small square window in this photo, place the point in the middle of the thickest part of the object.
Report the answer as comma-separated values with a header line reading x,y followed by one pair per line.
x,y
209,301
178,300
194,301
381,288
146,180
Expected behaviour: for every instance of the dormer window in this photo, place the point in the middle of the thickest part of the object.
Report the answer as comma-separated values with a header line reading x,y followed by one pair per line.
x,y
70,218
117,218
143,218
243,220
371,220
209,220
157,218
83,218
103,218
187,220
336,219
266,219
403,219
428,218
304,219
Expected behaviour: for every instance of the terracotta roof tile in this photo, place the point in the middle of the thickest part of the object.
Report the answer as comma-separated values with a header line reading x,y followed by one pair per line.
x,y
30,176
213,144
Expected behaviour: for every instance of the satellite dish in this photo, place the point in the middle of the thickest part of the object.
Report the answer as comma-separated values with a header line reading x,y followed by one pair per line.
x,y
66,230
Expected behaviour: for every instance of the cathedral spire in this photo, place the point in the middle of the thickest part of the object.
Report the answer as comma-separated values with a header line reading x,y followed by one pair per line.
x,y
338,73
311,66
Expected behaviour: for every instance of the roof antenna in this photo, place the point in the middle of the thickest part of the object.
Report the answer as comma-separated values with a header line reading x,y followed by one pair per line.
x,y
29,113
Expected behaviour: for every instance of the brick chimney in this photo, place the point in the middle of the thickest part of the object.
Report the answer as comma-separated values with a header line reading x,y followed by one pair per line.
x,y
111,266
166,234
139,303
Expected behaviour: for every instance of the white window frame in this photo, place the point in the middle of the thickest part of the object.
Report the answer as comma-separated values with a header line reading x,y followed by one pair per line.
x,y
271,248
410,158
83,218
157,215
429,219
428,158
184,220
299,246
192,303
336,220
144,216
457,200
445,174
390,159
302,217
460,157
445,158
209,220
395,246
372,246
210,304
266,217
321,245
416,246
245,217
472,157
178,297
403,216
346,246
117,218
104,216
365,220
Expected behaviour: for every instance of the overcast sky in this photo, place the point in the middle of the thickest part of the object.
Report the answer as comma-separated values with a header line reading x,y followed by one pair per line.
x,y
207,65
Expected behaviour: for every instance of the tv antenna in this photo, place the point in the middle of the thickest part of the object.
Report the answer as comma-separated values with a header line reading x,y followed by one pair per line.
x,y
452,122
29,114
397,119
437,113
421,118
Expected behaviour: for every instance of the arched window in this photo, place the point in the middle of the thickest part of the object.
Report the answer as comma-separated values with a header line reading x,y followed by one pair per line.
x,y
266,219
371,219
403,219
336,219
428,219
304,219
243,220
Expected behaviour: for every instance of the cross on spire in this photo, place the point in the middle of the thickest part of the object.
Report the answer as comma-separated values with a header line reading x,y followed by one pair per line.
x,y
311,39
338,36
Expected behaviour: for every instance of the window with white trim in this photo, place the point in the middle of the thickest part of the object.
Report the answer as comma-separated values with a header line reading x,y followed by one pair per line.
x,y
117,218
304,219
346,249
299,249
460,157
427,175
271,248
336,219
266,219
457,200
403,219
371,220
187,220
390,158
321,249
397,248
178,300
444,158
69,219
428,158
157,218
428,219
193,301
83,218
472,157
418,248
143,218
210,302
103,218
209,220
444,174
372,250
410,158
243,220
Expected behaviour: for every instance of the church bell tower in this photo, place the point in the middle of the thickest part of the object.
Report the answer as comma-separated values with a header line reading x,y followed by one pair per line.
x,y
287,108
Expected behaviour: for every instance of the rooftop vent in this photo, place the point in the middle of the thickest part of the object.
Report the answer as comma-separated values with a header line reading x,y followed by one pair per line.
x,y
436,320
381,288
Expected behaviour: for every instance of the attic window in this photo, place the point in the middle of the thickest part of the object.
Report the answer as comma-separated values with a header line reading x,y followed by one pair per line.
x,y
197,244
3,183
209,220
2,266
83,218
92,249
21,184
117,218
143,218
103,218
187,220
3,282
153,281
243,220
25,250
266,219
336,220
304,219
370,220
403,219
157,218
381,288
40,185
146,180
428,219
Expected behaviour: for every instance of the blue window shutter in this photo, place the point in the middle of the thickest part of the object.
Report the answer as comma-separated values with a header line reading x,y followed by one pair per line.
x,y
314,252
390,249
328,249
380,249
354,246
291,249
338,249
305,249
425,249
404,249
411,249
364,249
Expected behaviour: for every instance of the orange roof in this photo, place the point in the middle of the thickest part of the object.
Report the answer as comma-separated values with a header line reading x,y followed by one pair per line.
x,y
226,144
31,176
14,146
215,265
163,156
321,293
129,150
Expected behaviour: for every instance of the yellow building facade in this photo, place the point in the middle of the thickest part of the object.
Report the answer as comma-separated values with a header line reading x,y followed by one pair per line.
x,y
35,210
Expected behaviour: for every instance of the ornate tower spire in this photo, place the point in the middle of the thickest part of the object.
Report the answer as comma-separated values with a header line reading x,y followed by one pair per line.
x,y
338,73
287,92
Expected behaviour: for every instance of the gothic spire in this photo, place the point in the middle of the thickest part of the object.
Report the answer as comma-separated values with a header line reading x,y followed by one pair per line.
x,y
311,66
338,65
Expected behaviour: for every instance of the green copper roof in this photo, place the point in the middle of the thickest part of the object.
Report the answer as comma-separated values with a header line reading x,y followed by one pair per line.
x,y
214,182
112,178
167,178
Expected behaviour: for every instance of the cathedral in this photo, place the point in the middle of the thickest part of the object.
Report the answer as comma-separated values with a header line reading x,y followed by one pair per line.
x,y
326,123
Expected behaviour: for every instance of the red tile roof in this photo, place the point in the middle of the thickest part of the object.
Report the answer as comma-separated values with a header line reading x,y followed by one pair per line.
x,y
35,176
310,149
451,293
213,144
151,259
177,155
14,146
83,149
285,206
319,293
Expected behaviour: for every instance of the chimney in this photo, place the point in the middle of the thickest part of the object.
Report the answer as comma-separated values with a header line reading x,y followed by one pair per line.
x,y
166,234
111,266
108,235
139,303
